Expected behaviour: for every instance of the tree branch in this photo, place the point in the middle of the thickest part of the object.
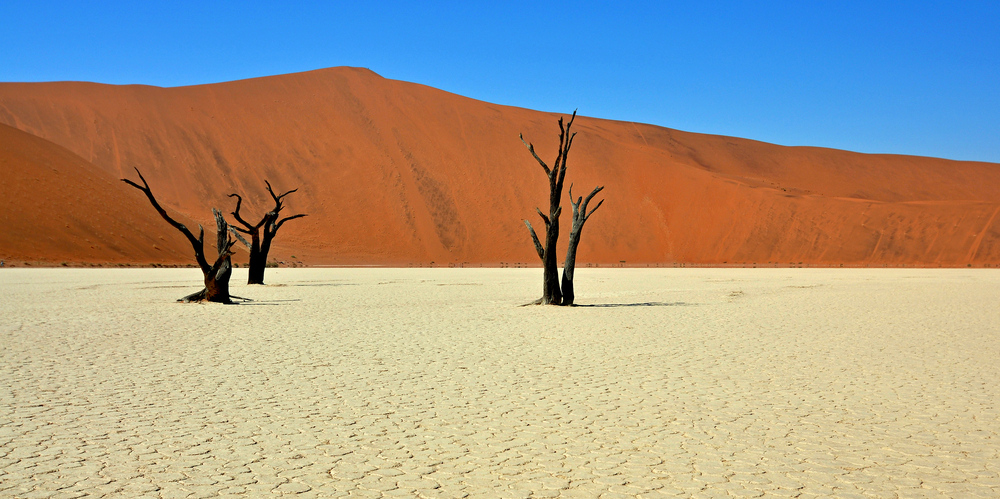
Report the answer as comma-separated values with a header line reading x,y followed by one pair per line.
x,y
197,243
595,209
277,197
287,193
277,225
222,235
583,210
576,204
236,215
545,218
531,148
534,237
565,143
277,200
569,143
591,195
238,236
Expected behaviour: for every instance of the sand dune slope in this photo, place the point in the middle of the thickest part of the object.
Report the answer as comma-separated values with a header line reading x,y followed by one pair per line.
x,y
57,207
394,173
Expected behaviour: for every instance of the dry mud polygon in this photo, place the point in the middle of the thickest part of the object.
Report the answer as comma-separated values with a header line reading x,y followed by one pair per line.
x,y
435,383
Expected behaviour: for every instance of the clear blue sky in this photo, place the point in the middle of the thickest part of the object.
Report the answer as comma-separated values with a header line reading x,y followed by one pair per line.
x,y
905,77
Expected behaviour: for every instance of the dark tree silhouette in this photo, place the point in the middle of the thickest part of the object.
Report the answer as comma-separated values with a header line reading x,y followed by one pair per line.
x,y
580,216
218,273
551,295
260,246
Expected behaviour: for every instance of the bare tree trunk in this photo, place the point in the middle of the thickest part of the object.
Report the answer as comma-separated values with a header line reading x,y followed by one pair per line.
x,y
222,270
216,275
551,294
258,261
580,216
270,223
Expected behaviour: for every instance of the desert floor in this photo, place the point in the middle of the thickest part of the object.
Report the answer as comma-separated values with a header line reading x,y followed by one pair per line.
x,y
434,382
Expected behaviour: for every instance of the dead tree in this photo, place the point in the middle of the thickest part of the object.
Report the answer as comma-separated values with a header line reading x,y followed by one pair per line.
x,y
218,273
580,216
551,295
260,246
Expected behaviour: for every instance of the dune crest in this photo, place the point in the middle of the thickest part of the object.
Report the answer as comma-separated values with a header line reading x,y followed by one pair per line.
x,y
396,173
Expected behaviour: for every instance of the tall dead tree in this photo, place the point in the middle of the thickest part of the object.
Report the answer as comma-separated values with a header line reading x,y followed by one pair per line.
x,y
260,246
218,273
580,216
551,295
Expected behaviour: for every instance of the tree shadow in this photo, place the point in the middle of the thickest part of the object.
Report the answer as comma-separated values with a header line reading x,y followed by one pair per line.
x,y
640,304
265,302
312,284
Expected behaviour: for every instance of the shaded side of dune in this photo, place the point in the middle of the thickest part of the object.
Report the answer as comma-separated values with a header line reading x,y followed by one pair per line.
x,y
57,207
394,173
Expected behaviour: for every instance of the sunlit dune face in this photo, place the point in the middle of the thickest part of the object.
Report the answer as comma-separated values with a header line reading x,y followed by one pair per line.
x,y
394,173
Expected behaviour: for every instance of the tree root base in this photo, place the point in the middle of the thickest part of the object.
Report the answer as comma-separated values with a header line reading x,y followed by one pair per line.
x,y
200,297
541,301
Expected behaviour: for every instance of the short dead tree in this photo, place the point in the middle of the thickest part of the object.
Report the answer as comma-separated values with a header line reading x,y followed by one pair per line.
x,y
259,246
218,273
551,294
580,216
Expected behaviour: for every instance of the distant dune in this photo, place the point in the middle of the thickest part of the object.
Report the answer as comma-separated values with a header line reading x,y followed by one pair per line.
x,y
396,173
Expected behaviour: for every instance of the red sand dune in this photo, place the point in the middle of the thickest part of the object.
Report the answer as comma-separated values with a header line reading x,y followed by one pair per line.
x,y
56,207
398,173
